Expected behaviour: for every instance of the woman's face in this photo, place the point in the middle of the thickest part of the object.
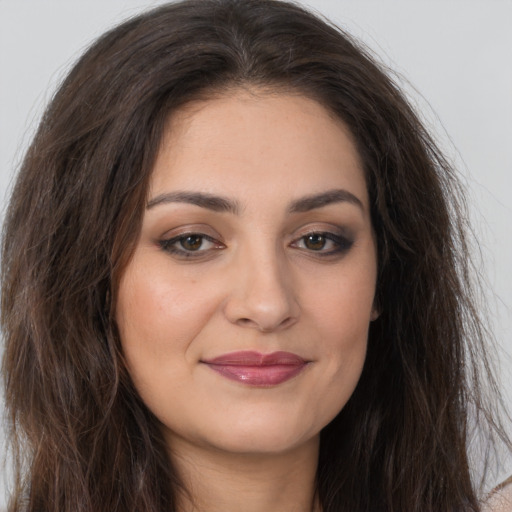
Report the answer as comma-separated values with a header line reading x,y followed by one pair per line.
x,y
244,311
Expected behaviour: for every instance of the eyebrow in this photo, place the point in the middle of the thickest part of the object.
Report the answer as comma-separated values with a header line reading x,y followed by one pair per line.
x,y
224,204
314,201
209,201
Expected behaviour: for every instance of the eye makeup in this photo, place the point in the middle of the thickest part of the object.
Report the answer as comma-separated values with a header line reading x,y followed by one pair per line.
x,y
198,245
323,243
190,245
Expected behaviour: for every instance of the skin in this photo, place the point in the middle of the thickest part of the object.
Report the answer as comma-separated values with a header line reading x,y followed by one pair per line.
x,y
260,277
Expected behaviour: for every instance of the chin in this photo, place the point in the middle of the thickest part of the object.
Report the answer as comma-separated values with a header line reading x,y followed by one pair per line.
x,y
262,443
260,435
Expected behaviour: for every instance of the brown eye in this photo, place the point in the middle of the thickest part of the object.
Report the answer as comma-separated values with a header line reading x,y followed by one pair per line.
x,y
325,244
192,242
190,245
315,241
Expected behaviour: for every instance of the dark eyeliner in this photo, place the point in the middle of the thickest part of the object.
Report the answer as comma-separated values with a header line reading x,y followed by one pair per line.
x,y
169,245
342,244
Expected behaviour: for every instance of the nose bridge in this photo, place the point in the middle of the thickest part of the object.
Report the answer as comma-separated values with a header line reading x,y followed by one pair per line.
x,y
262,294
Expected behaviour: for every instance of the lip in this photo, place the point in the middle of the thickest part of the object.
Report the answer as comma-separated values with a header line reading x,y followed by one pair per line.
x,y
256,369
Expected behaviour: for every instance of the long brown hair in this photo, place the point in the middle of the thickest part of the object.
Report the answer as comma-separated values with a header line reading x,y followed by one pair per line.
x,y
83,439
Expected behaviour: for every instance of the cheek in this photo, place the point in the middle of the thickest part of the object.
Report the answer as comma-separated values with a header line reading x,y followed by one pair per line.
x,y
159,316
344,338
342,306
340,310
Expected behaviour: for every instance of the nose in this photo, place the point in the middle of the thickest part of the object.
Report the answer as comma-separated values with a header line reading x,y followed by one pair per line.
x,y
262,293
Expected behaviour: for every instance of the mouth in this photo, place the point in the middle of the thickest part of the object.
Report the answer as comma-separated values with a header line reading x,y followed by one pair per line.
x,y
256,369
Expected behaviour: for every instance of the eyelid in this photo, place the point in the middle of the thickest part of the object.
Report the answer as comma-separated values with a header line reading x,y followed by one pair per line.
x,y
336,235
323,227
169,241
191,229
170,245
333,233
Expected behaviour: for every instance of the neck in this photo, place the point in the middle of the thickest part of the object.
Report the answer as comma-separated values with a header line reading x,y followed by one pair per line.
x,y
227,482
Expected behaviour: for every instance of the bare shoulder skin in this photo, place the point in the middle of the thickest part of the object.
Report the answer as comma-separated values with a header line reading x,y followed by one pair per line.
x,y
500,499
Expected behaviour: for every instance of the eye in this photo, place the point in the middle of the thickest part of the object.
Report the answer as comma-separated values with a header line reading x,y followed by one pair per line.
x,y
323,243
189,245
191,242
315,241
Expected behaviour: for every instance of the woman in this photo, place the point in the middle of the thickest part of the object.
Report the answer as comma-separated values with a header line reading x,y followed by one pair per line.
x,y
234,278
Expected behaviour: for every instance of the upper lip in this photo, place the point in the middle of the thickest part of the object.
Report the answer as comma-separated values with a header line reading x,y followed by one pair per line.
x,y
253,358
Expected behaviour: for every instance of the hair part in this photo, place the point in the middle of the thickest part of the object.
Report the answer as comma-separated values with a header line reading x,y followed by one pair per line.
x,y
401,442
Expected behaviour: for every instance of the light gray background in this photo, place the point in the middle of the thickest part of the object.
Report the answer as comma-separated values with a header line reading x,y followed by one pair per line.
x,y
455,54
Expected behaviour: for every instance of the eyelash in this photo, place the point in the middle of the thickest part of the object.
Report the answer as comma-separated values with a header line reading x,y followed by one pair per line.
x,y
170,245
342,244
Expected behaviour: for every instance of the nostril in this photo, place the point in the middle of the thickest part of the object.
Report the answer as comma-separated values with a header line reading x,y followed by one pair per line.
x,y
288,321
261,307
247,322
244,321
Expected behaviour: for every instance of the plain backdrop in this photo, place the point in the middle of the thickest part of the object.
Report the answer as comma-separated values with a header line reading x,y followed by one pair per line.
x,y
455,57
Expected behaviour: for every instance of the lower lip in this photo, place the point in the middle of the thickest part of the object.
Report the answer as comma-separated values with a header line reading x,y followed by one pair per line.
x,y
263,376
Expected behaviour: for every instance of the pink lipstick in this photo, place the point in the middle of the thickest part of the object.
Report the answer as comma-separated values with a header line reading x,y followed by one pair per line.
x,y
257,369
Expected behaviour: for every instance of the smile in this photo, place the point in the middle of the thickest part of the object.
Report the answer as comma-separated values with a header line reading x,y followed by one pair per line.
x,y
255,369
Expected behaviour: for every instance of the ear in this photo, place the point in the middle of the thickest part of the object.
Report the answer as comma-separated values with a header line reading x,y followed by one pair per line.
x,y
376,311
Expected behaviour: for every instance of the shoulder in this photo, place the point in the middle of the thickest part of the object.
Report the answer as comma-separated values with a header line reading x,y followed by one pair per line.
x,y
500,499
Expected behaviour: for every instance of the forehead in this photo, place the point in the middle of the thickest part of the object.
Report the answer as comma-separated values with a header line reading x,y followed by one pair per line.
x,y
246,142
